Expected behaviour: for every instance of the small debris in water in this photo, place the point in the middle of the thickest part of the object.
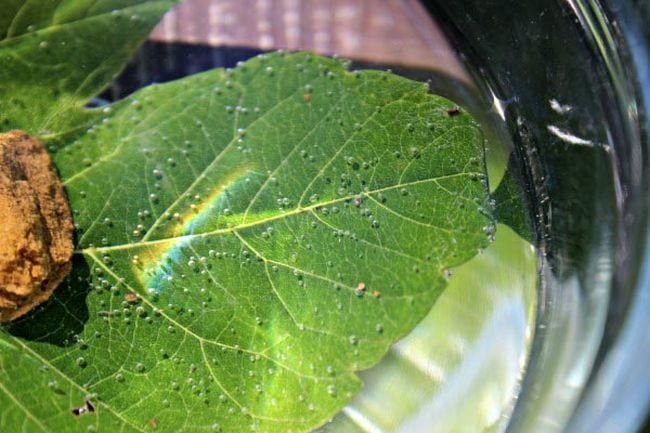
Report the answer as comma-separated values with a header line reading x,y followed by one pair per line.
x,y
86,408
131,297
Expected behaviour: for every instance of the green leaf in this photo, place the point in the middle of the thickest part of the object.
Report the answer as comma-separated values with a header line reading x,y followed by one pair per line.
x,y
56,55
282,224
509,199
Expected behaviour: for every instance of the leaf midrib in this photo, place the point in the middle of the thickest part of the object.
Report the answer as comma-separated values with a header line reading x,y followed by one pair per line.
x,y
296,211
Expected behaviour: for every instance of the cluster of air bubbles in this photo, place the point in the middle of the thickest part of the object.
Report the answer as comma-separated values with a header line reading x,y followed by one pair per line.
x,y
267,233
283,202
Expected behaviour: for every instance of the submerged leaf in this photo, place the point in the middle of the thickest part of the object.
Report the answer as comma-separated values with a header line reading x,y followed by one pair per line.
x,y
510,206
247,241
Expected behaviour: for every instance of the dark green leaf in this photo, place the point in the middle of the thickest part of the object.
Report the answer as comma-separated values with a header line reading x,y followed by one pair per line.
x,y
510,205
56,55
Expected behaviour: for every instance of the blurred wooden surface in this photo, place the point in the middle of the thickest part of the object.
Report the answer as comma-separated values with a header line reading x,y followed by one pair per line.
x,y
397,32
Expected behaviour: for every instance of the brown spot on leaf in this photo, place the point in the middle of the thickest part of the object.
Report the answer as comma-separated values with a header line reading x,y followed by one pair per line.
x,y
360,289
131,297
36,229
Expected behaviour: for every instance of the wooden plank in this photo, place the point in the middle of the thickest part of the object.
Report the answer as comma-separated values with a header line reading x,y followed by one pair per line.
x,y
392,32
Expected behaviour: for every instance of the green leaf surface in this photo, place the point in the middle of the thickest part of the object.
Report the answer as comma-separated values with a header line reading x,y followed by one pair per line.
x,y
57,54
282,224
509,201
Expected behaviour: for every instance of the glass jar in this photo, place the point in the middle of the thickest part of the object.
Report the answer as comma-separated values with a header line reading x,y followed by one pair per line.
x,y
576,78
566,85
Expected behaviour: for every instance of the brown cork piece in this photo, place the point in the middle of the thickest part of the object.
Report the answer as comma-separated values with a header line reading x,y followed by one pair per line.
x,y
36,228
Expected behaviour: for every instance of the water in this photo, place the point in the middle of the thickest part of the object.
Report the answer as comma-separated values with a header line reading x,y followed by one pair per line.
x,y
576,113
461,369
468,354
587,167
